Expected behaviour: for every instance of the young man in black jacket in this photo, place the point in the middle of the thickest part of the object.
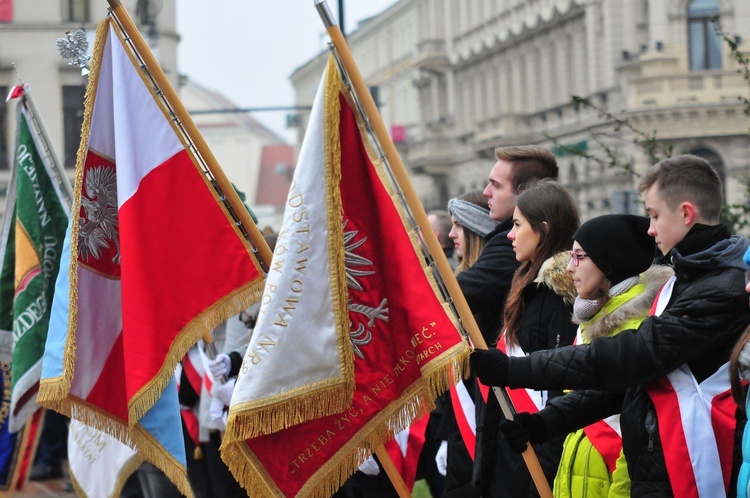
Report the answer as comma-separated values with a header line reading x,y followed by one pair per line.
x,y
485,286
486,283
668,377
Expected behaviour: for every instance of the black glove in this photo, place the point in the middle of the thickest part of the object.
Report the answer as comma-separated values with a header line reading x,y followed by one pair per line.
x,y
491,366
523,429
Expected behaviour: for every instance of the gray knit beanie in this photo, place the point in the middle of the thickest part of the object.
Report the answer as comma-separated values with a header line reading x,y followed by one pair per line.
x,y
471,216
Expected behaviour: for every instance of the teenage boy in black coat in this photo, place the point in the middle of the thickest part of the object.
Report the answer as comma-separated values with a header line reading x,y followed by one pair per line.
x,y
486,283
691,334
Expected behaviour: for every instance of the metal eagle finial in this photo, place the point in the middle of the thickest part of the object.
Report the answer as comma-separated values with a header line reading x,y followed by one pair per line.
x,y
75,47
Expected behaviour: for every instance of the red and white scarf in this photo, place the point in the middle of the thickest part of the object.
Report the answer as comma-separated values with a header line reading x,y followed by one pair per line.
x,y
524,400
696,424
465,413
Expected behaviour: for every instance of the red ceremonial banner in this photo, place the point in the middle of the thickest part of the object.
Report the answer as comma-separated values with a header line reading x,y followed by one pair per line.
x,y
406,344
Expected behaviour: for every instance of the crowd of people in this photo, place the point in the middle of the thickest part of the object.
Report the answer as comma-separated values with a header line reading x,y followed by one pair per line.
x,y
620,340
623,342
613,337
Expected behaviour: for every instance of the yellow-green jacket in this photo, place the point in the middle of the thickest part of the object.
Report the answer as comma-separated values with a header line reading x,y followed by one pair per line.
x,y
583,472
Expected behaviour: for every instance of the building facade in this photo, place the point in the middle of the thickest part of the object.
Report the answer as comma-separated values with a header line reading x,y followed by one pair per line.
x,y
457,79
242,147
28,51
28,34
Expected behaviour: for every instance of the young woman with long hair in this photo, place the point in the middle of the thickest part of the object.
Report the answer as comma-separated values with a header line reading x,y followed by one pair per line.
x,y
537,316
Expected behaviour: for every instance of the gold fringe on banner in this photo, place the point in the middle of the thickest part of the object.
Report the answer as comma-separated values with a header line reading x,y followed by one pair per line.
x,y
339,287
415,402
56,389
155,453
312,401
205,322
294,407
130,467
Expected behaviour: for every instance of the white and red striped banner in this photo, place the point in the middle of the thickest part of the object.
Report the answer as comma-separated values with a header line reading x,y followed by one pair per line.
x,y
524,400
156,259
605,435
147,287
465,413
405,448
696,424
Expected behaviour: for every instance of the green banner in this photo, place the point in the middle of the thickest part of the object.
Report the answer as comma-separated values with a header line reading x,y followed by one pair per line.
x,y
35,224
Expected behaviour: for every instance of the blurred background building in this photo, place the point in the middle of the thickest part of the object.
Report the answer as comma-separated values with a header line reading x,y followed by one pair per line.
x,y
454,80
28,34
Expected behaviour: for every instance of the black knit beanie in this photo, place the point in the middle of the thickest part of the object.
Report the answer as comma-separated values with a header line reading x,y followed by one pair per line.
x,y
618,244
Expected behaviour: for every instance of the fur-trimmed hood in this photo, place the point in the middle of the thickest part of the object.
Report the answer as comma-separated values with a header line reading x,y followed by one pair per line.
x,y
554,274
653,278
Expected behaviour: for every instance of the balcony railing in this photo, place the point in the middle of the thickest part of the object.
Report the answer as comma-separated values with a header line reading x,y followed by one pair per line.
x,y
431,55
500,128
687,88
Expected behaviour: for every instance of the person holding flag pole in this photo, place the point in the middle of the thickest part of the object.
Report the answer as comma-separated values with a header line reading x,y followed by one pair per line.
x,y
399,171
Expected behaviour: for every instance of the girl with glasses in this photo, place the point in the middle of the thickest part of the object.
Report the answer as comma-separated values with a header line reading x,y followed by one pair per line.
x,y
611,265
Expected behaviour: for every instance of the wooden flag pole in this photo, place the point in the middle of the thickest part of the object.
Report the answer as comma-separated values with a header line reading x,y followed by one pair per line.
x,y
256,238
392,472
402,177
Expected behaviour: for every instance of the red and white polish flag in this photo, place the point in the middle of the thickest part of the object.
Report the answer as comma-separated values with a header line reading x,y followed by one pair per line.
x,y
157,260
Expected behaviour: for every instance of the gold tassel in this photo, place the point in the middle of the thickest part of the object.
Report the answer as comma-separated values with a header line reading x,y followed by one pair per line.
x,y
222,310
289,411
335,211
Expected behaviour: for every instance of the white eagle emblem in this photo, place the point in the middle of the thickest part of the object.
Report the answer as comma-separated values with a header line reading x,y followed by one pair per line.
x,y
361,336
99,229
75,47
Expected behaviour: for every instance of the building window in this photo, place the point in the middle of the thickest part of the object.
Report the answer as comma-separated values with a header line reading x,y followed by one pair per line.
x,y
72,122
704,42
78,10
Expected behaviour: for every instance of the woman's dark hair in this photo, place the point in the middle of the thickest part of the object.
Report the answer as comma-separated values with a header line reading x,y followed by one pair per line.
x,y
553,214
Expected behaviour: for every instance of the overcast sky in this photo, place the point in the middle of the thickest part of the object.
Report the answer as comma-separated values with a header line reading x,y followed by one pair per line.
x,y
247,49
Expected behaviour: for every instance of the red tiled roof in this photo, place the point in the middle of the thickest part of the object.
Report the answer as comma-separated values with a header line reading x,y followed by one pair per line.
x,y
276,168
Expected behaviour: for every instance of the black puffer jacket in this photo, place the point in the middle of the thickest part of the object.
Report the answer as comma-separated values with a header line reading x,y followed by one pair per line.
x,y
486,283
707,312
545,324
